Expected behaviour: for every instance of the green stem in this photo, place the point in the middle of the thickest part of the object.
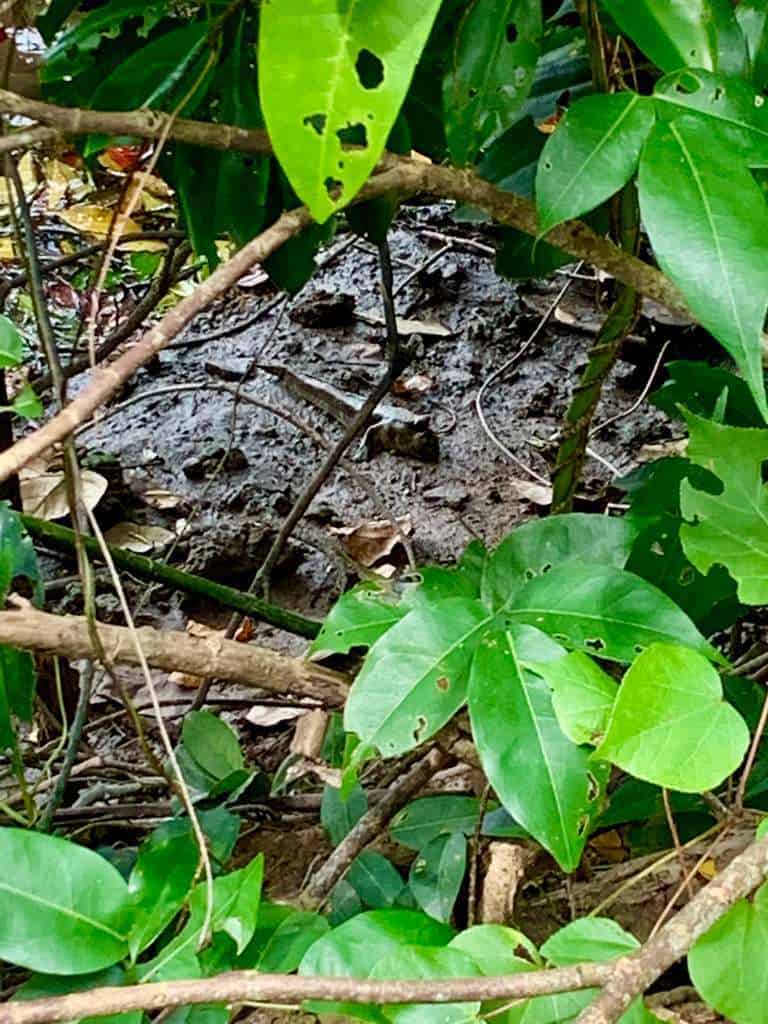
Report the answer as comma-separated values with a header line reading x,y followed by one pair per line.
x,y
63,539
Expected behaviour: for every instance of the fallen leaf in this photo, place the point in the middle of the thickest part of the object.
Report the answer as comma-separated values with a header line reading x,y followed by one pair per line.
x,y
527,490
185,680
200,629
44,494
708,869
245,631
369,541
158,498
610,846
417,384
92,219
7,251
121,158
58,177
255,279
649,452
28,175
138,537
405,327
264,716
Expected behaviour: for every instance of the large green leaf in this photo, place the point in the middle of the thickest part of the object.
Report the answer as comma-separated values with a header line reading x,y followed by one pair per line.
x,y
699,387
582,695
281,939
357,619
62,908
727,963
375,879
731,102
347,86
423,962
591,155
539,545
491,74
752,16
682,33
17,690
670,724
212,744
11,344
729,528
589,938
494,948
707,221
437,873
603,611
164,68
355,947
545,781
160,883
415,676
17,554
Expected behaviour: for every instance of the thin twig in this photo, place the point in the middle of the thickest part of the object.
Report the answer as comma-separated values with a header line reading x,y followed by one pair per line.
x,y
751,756
675,834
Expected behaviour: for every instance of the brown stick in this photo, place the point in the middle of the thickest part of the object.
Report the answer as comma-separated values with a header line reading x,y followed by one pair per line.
x,y
623,979
633,974
68,635
371,825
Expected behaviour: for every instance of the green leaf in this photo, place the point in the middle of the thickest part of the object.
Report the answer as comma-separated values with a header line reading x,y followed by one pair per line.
x,y
159,884
670,724
212,744
582,695
375,880
494,948
415,676
423,820
40,986
707,221
17,554
604,611
590,938
27,404
11,344
546,782
288,943
355,947
676,33
74,926
727,964
349,84
536,547
292,265
437,873
423,962
165,67
18,679
491,73
635,800
728,528
723,99
357,619
752,17
340,812
698,386
591,155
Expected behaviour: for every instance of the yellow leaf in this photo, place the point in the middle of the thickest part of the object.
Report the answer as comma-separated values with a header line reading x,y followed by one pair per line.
x,y
94,220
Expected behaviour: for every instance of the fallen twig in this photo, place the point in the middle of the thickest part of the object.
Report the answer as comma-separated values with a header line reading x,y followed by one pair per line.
x,y
172,650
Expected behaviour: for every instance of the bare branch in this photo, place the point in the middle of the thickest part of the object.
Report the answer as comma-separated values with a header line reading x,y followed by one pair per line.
x,y
68,635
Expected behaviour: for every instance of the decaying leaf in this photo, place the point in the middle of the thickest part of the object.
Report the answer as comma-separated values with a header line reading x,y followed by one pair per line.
x,y
138,537
28,175
649,452
416,384
161,499
369,541
264,716
528,490
406,327
44,494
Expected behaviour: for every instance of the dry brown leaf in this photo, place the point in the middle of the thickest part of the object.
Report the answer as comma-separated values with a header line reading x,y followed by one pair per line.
x,y
417,384
610,846
264,716
138,537
245,631
406,327
58,178
44,494
310,733
200,629
28,175
185,680
92,219
527,490
369,541
649,452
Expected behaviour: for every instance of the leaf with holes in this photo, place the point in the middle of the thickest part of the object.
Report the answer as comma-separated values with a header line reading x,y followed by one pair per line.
x,y
707,221
582,695
330,106
602,610
729,528
415,676
670,724
437,873
536,547
491,74
728,101
727,963
593,153
680,33
357,619
546,782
